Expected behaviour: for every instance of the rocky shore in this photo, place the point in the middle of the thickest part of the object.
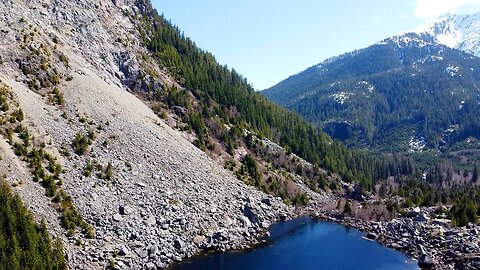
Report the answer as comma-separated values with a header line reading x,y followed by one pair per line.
x,y
434,243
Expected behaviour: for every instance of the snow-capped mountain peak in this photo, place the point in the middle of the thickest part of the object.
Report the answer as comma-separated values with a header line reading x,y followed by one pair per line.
x,y
409,40
456,31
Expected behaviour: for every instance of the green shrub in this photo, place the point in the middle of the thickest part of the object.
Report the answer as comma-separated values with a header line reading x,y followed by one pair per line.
x,y
109,171
87,172
16,116
80,144
19,149
49,184
56,97
64,59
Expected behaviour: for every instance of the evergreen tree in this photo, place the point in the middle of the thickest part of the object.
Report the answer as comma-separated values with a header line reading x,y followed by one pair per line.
x,y
23,243
347,208
475,174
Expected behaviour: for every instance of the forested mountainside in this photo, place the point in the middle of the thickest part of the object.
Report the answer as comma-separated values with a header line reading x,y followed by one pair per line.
x,y
216,97
216,103
405,93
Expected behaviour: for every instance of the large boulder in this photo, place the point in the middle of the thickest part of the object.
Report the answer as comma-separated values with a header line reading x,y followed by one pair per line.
x,y
421,218
249,213
413,212
426,262
178,243
371,236
124,251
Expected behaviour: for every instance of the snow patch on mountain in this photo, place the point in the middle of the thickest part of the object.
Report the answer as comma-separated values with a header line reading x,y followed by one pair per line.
x,y
417,144
430,58
366,84
451,129
335,83
409,40
455,31
341,97
451,40
452,70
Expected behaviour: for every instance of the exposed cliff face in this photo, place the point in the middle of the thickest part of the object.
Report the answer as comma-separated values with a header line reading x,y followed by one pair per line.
x,y
160,199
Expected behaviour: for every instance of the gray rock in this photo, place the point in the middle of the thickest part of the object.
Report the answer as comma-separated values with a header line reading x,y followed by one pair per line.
x,y
178,243
246,222
124,251
413,212
151,266
179,110
267,201
249,213
141,184
142,253
152,249
371,236
151,221
181,221
198,239
125,210
117,217
426,262
119,265
160,264
227,221
421,218
134,235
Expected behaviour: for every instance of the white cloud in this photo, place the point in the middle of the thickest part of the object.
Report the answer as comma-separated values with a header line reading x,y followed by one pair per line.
x,y
428,9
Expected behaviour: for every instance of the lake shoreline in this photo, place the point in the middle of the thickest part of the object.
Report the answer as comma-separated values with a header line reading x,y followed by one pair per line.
x,y
417,236
263,236
411,236
308,228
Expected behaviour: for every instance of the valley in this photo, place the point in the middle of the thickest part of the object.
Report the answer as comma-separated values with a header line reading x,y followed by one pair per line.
x,y
136,149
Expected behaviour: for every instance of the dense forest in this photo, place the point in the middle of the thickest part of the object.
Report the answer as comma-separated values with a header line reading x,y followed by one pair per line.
x,y
23,243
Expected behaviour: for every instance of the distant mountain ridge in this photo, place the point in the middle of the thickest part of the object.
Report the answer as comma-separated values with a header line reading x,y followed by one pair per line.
x,y
404,93
456,31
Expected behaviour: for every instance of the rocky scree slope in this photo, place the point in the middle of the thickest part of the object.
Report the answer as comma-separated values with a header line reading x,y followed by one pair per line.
x,y
151,196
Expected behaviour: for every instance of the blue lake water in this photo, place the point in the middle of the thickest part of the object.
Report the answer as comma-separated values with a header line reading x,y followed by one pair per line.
x,y
307,244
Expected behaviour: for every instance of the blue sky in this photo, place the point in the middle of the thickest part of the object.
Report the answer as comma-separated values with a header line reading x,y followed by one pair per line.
x,y
268,40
